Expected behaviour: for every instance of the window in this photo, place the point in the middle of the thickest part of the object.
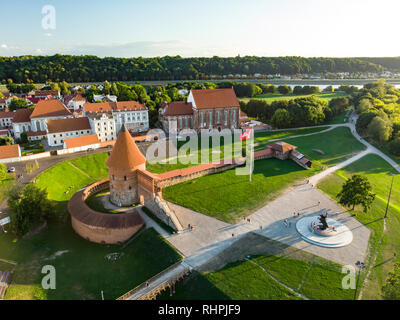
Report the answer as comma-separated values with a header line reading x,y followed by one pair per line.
x,y
124,178
201,118
234,116
218,117
186,122
180,122
226,116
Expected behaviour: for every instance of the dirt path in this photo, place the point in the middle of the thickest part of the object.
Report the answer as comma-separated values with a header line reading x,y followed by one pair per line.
x,y
278,281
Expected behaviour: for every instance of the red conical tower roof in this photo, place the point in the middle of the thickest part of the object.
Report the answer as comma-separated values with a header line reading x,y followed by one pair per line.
x,y
125,154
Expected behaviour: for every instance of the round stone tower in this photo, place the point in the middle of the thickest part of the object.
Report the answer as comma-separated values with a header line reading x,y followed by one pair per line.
x,y
123,163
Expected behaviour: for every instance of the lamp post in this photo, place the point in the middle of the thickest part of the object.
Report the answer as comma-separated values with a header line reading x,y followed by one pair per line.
x,y
360,265
390,194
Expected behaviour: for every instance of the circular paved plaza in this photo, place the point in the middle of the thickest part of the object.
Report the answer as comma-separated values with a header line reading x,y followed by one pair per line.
x,y
337,236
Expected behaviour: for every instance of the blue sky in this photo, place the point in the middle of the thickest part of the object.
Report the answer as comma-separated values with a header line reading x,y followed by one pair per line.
x,y
123,28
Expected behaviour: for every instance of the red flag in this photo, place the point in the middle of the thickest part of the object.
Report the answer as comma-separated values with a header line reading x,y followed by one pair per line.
x,y
245,135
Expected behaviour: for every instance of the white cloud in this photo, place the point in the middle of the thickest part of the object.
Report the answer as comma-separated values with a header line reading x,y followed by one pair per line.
x,y
48,34
4,46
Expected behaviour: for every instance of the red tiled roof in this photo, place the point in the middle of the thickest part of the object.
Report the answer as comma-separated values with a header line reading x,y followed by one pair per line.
x,y
36,133
125,154
97,107
6,115
50,108
127,105
282,146
215,98
34,100
11,151
263,153
195,169
179,108
22,115
81,141
43,93
114,106
70,124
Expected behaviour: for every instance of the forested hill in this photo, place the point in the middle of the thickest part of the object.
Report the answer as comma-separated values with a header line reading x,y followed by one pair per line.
x,y
91,68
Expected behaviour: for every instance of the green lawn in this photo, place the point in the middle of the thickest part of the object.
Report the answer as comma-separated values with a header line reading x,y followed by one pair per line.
x,y
338,145
237,281
315,278
228,197
276,97
95,202
5,185
378,173
82,267
83,271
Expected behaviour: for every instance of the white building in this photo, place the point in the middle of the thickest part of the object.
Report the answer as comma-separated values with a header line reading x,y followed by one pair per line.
x,y
21,122
6,119
74,101
61,129
133,114
48,110
107,118
103,125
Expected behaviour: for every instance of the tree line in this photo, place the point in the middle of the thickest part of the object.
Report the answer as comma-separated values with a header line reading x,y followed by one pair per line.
x,y
378,105
307,111
57,68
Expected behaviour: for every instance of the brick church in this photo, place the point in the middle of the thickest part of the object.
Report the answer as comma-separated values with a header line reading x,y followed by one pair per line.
x,y
203,109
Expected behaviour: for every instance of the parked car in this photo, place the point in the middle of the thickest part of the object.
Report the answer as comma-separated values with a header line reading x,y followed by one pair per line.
x,y
12,169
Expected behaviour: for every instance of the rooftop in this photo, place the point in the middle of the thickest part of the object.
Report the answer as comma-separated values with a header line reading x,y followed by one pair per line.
x,y
215,98
69,124
81,141
125,154
22,115
179,108
282,146
12,151
50,108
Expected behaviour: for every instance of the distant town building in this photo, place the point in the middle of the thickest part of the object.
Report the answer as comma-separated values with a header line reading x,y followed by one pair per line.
x,y
61,129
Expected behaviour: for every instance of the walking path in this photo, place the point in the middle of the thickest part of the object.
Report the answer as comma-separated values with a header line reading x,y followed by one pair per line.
x,y
295,292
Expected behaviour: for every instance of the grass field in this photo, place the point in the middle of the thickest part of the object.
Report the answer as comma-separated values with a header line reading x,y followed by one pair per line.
x,y
228,197
382,244
317,279
82,267
5,185
337,144
276,97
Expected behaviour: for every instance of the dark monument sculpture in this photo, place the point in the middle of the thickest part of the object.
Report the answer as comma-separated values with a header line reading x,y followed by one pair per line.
x,y
324,225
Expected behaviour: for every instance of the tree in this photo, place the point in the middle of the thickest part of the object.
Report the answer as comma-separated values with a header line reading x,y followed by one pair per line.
x,y
28,205
16,104
357,191
24,137
284,89
364,105
380,129
281,119
394,146
391,289
6,141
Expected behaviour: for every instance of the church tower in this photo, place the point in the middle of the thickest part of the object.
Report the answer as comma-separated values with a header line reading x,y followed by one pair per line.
x,y
123,163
